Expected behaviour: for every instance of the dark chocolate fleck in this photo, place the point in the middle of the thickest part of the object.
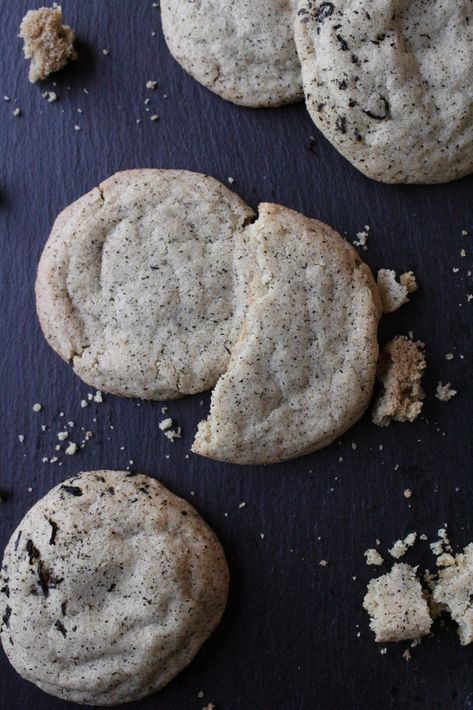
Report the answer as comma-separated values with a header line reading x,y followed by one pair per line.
x,y
60,627
343,43
32,552
73,490
325,10
6,616
54,529
341,124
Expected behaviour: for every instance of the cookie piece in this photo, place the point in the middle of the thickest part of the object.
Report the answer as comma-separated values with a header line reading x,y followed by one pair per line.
x,y
302,369
110,586
389,84
240,50
397,606
136,284
47,42
394,293
454,590
400,370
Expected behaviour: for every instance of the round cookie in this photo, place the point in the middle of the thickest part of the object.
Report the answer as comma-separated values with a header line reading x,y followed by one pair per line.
x,y
389,84
241,50
136,283
303,367
110,586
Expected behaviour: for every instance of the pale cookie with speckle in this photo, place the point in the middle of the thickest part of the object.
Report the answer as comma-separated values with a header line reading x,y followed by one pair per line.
x,y
47,42
137,286
302,369
241,50
389,84
111,584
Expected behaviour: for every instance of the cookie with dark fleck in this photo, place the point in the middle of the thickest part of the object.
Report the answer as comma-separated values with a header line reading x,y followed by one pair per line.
x,y
241,50
136,284
389,84
303,367
110,585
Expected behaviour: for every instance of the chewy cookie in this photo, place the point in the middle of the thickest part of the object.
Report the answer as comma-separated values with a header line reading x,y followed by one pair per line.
x,y
302,369
241,50
389,84
110,586
136,283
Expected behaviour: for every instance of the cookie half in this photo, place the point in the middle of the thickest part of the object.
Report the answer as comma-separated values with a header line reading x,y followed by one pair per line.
x,y
302,369
389,84
241,50
110,585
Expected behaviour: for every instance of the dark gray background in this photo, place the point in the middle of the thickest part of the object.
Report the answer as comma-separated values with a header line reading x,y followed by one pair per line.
x,y
289,638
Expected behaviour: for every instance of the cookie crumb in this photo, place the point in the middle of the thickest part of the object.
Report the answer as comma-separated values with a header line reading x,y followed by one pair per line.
x,y
400,370
62,435
394,294
396,605
17,112
407,493
50,96
151,85
37,407
72,449
400,547
323,563
21,438
47,42
154,117
373,557
445,392
407,655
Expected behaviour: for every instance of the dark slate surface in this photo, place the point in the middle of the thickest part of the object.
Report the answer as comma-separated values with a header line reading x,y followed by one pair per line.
x,y
294,634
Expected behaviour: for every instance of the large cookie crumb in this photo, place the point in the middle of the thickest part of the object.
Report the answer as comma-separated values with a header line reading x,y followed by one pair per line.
x,y
397,606
47,42
400,369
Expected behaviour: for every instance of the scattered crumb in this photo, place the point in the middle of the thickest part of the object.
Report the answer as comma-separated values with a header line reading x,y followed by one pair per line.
x,y
373,557
362,239
407,655
230,180
445,392
400,369
408,493
165,424
423,536
242,504
84,403
72,449
396,605
21,438
209,706
323,563
77,127
47,42
383,651
98,397
50,96
394,294
400,547
37,407
62,435
17,112
151,85
442,544
449,356
200,694
105,52
154,117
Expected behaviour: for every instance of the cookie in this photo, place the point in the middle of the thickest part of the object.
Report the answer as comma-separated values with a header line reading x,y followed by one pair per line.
x,y
240,50
136,284
302,369
110,585
389,84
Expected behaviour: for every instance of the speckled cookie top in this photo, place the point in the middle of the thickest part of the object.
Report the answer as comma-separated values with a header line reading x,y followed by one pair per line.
x,y
136,283
110,584
389,84
242,50
303,366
